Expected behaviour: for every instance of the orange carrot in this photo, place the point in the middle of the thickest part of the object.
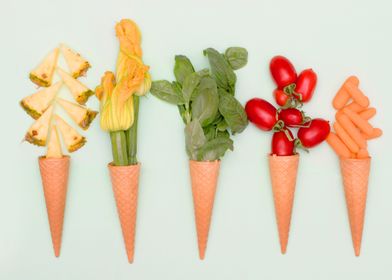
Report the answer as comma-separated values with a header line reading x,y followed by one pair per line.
x,y
338,146
363,153
347,140
355,107
375,134
342,96
356,94
362,124
349,127
368,113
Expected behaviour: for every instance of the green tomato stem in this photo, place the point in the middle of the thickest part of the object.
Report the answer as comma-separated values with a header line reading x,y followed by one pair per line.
x,y
119,148
131,133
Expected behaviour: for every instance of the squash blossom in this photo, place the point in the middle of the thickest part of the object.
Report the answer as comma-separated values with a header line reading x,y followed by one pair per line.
x,y
132,77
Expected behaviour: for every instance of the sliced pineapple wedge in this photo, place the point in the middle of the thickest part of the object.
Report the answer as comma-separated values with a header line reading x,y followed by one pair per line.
x,y
36,104
72,139
42,75
54,145
38,132
76,63
81,115
80,92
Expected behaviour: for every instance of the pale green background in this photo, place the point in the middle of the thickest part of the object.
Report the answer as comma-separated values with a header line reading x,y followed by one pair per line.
x,y
336,38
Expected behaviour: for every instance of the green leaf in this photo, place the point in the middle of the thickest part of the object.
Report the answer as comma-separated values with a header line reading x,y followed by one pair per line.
x,y
189,86
166,91
215,149
210,132
182,68
182,110
222,125
221,70
233,112
203,72
206,103
237,57
194,138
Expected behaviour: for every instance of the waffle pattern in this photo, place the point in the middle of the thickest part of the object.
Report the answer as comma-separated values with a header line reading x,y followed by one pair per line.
x,y
125,181
355,173
283,172
54,174
204,177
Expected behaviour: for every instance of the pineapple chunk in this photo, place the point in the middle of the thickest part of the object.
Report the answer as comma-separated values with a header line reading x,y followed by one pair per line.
x,y
72,139
42,75
38,132
81,115
54,145
76,63
80,92
36,104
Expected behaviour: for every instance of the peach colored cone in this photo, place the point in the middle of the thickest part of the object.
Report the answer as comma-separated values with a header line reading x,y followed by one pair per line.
x,y
125,182
355,173
204,177
54,174
283,172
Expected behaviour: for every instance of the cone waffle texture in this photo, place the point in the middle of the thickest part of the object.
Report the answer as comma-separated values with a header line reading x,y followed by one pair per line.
x,y
54,174
283,172
355,173
125,181
204,177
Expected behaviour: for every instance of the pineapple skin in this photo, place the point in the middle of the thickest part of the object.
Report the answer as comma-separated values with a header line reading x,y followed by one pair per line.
x,y
30,111
84,96
87,120
77,145
82,71
39,81
38,142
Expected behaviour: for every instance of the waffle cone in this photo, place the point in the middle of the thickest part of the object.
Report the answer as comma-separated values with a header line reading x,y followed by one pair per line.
x,y
125,182
283,172
54,174
204,177
355,173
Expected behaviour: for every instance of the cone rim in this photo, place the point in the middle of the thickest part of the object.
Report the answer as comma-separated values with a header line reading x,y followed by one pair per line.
x,y
111,165
276,156
355,159
44,158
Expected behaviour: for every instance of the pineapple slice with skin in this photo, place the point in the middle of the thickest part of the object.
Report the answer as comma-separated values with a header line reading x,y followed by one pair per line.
x,y
54,145
42,75
36,104
80,92
72,139
76,63
81,115
38,132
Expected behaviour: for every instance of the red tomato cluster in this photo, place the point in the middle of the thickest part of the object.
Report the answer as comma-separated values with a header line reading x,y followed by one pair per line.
x,y
291,92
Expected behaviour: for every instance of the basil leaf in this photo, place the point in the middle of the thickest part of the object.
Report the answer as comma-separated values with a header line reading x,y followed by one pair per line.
x,y
237,57
182,68
233,112
182,110
166,91
221,70
203,72
210,132
206,103
222,126
189,86
194,138
215,149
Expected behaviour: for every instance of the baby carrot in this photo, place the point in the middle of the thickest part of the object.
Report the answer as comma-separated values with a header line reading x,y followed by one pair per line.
x,y
338,146
375,134
363,153
355,107
349,127
342,96
346,139
368,113
362,124
356,94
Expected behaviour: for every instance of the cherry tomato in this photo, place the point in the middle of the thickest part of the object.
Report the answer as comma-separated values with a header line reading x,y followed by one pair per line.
x,y
305,85
314,134
281,144
291,117
261,113
282,71
281,97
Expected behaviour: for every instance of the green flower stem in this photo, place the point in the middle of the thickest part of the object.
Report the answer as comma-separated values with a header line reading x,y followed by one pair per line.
x,y
119,148
131,133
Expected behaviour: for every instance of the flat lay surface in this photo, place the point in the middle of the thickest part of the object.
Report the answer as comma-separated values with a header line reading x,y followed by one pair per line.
x,y
335,38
